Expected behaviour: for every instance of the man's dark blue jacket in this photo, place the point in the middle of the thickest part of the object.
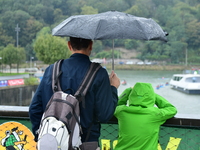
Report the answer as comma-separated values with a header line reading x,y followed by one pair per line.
x,y
100,101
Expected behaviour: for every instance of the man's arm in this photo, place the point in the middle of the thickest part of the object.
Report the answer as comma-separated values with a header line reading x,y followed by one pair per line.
x,y
36,111
106,96
39,101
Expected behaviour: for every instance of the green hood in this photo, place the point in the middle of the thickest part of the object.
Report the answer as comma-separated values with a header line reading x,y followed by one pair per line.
x,y
142,95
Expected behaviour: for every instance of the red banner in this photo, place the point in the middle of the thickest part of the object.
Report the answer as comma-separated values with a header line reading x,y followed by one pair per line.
x,y
16,82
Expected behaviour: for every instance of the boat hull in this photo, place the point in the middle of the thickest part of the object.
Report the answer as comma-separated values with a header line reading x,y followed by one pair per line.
x,y
187,83
186,90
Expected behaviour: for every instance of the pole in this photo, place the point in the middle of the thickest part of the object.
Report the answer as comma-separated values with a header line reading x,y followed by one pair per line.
x,y
1,64
30,62
186,56
31,58
17,29
113,55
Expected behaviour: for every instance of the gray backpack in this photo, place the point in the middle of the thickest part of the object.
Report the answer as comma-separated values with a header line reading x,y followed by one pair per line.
x,y
60,125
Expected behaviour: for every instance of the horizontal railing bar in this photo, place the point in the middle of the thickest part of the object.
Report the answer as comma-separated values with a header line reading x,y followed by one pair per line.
x,y
22,112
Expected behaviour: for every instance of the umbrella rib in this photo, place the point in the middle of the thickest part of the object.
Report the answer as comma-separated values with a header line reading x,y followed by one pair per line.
x,y
142,28
97,28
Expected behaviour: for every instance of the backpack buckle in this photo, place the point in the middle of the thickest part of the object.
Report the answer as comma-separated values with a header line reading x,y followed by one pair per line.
x,y
81,98
55,88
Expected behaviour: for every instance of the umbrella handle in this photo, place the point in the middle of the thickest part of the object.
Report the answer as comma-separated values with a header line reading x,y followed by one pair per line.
x,y
113,55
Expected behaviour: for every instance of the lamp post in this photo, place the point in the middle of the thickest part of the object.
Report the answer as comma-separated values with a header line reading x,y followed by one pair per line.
x,y
1,64
17,29
186,56
31,58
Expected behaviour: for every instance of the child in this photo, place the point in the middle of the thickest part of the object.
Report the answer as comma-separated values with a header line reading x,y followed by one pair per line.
x,y
140,120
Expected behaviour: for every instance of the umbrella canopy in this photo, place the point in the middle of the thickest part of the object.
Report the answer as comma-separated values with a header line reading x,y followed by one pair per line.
x,y
110,25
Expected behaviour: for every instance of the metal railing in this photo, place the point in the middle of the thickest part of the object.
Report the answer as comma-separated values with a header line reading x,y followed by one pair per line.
x,y
177,133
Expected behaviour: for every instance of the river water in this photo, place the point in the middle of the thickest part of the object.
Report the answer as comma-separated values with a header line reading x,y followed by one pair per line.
x,y
188,106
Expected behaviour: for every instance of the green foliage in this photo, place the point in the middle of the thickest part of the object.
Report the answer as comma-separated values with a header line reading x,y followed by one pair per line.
x,y
87,10
44,31
13,55
108,54
178,51
97,47
193,56
130,44
32,27
4,38
31,81
193,29
180,18
49,48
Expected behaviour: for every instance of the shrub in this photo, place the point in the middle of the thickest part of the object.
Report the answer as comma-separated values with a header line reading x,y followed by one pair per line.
x,y
31,81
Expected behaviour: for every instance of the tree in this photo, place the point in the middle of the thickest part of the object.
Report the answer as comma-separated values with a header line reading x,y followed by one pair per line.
x,y
20,56
13,55
44,31
198,11
178,51
107,54
87,10
193,33
73,7
101,6
134,10
118,5
180,18
154,50
48,14
7,56
4,38
11,19
58,16
162,14
8,23
29,47
29,52
49,48
142,8
130,44
97,47
30,30
129,2
35,11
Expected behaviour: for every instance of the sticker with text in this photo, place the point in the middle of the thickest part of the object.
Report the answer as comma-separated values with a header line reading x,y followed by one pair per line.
x,y
16,136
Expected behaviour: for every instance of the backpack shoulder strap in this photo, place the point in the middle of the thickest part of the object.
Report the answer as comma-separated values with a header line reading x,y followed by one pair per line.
x,y
55,76
82,90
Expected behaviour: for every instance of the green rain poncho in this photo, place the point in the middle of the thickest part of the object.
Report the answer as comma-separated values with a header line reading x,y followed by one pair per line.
x,y
139,122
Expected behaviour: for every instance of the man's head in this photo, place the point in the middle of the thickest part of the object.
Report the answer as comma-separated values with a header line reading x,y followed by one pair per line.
x,y
79,43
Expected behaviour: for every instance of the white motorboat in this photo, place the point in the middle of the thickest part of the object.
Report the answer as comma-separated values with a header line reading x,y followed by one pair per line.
x,y
188,83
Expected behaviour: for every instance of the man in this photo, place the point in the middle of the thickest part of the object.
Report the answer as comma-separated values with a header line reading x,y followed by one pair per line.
x,y
101,98
139,119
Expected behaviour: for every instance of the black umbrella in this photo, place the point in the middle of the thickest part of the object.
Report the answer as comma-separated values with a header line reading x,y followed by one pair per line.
x,y
110,25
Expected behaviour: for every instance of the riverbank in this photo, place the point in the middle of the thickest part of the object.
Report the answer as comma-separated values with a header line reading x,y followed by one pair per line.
x,y
116,67
150,67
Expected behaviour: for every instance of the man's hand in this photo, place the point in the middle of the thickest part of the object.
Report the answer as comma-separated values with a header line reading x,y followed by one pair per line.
x,y
114,80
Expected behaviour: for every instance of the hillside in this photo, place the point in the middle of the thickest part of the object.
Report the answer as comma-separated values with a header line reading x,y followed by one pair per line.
x,y
128,54
24,22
